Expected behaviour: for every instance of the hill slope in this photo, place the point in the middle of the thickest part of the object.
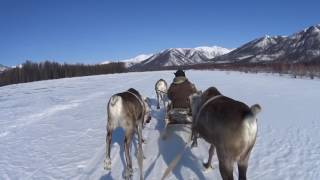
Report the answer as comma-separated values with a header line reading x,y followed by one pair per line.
x,y
303,46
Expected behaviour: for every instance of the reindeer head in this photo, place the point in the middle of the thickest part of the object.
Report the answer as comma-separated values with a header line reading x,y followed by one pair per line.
x,y
198,98
209,93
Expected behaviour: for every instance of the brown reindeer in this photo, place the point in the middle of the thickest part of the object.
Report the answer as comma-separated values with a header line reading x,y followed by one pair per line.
x,y
229,126
129,111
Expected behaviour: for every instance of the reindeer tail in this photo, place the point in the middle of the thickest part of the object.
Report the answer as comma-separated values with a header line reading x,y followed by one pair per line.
x,y
255,109
114,99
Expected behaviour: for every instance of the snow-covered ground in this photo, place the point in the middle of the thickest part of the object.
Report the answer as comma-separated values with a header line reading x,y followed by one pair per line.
x,y
56,129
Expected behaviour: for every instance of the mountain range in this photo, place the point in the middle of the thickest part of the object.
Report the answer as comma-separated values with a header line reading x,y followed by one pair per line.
x,y
175,57
303,46
182,56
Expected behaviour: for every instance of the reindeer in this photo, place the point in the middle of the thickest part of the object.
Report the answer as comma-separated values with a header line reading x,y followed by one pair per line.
x,y
229,126
129,111
161,88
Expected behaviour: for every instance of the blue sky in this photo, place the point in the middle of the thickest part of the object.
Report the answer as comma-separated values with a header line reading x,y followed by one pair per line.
x,y
92,31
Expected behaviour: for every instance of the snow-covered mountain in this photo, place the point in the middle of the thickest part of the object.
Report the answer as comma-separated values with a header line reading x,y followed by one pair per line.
x,y
299,47
302,46
2,67
182,56
137,59
132,61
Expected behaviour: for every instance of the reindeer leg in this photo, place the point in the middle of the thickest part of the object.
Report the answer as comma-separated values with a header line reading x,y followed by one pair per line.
x,y
163,101
127,147
142,127
140,153
211,152
242,169
143,140
194,137
107,161
243,165
226,168
165,132
166,116
158,103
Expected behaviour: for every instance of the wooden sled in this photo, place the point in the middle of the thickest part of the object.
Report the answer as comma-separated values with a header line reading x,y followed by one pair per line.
x,y
176,118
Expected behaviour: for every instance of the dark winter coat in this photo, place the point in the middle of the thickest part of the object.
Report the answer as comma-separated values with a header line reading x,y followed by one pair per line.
x,y
179,91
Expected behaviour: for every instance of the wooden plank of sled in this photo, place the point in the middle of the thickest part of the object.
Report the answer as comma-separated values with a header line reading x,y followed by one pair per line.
x,y
179,122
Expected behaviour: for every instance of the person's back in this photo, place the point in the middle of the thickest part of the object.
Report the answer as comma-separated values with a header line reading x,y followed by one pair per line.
x,y
180,90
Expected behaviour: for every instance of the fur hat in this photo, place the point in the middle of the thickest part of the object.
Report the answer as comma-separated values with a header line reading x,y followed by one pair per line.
x,y
179,72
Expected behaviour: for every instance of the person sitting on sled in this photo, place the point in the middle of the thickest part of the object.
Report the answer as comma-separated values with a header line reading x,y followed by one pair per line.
x,y
180,90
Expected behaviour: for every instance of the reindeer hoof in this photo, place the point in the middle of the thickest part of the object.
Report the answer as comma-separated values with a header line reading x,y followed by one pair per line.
x,y
194,144
128,173
107,164
148,120
207,166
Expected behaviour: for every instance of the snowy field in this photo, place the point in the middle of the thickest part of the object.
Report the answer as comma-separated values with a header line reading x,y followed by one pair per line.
x,y
56,129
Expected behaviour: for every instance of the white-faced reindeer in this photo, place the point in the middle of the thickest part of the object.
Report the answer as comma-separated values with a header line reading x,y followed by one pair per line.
x,y
129,111
161,88
229,126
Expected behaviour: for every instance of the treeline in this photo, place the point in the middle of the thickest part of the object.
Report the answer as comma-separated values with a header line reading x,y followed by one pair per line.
x,y
309,69
301,69
30,71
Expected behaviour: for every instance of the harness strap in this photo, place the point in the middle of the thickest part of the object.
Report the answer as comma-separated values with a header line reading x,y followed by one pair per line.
x,y
142,104
162,91
204,104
